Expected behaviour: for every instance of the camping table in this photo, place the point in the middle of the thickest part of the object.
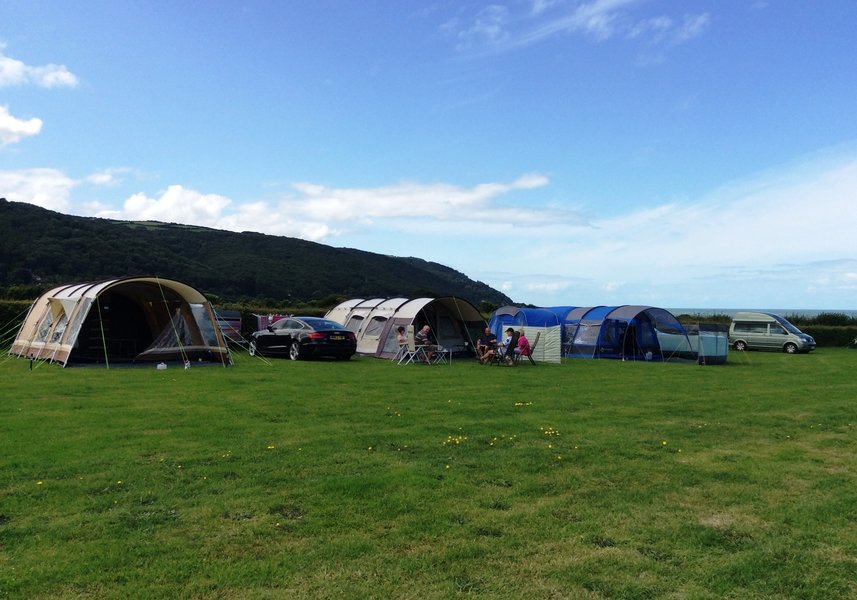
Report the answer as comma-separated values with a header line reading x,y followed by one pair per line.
x,y
443,356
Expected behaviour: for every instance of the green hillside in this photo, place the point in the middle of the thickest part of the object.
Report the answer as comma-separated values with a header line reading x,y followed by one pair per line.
x,y
39,246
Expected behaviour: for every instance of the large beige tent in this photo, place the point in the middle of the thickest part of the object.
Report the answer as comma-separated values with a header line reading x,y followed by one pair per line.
x,y
139,319
456,324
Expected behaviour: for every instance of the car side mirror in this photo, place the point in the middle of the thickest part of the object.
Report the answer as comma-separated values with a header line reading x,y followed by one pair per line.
x,y
270,328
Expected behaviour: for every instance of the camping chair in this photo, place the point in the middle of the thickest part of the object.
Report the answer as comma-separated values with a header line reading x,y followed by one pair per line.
x,y
490,348
529,351
400,352
412,353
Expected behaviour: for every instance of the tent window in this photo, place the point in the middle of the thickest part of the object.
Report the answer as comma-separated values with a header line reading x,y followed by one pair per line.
x,y
206,327
587,335
45,327
375,326
59,329
354,323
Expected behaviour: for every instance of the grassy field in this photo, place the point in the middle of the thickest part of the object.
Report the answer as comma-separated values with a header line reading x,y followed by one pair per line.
x,y
363,479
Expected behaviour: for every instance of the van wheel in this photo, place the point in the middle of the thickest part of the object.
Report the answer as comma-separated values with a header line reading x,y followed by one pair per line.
x,y
789,348
740,346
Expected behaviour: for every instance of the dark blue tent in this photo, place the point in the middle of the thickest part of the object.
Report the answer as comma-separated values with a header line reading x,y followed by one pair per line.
x,y
625,332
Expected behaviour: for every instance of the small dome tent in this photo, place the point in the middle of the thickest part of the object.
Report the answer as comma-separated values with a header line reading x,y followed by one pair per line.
x,y
136,319
455,322
626,332
547,323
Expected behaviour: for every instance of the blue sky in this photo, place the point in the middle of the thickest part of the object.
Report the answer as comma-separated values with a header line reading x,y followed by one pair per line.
x,y
695,153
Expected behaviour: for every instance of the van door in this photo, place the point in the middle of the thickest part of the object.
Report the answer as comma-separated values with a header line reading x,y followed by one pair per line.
x,y
754,332
777,337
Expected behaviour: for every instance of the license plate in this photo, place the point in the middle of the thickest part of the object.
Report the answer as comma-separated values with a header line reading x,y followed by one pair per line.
x,y
337,337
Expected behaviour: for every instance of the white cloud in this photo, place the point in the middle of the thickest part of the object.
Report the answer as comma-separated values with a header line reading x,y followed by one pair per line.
x,y
784,234
437,201
319,213
489,27
111,177
48,188
692,27
177,205
14,130
14,72
539,6
771,235
500,28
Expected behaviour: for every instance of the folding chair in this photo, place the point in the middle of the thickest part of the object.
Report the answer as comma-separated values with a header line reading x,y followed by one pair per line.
x,y
491,348
529,350
400,352
507,356
412,353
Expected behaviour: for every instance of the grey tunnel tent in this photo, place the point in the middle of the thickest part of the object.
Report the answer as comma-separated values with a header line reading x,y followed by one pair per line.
x,y
122,321
455,322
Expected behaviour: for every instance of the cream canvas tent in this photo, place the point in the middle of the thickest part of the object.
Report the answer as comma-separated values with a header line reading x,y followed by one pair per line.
x,y
455,322
139,319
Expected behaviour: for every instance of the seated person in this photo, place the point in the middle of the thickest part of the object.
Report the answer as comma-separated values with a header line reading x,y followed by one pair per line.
x,y
504,349
523,346
486,345
421,338
505,343
402,341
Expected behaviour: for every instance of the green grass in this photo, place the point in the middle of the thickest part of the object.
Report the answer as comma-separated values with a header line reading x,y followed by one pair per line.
x,y
591,479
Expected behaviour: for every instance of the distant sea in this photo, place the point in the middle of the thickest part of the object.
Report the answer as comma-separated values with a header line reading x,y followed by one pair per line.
x,y
780,311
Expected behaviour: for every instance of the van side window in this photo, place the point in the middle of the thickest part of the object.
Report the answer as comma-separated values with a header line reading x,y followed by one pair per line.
x,y
750,327
777,329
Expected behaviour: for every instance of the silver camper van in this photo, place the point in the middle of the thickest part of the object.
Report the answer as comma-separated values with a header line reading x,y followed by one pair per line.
x,y
767,331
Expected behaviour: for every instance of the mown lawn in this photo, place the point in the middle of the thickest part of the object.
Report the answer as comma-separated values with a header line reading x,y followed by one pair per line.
x,y
591,479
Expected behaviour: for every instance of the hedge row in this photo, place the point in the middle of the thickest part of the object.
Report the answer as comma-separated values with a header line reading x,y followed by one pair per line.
x,y
12,314
831,336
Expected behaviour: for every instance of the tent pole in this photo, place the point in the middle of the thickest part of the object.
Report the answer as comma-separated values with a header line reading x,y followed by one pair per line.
x,y
101,326
173,322
466,329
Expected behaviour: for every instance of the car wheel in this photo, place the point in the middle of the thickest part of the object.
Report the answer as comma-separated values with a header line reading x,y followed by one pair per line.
x,y
740,346
790,348
295,351
252,348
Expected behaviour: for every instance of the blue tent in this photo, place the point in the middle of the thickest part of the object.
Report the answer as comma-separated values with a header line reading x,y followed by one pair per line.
x,y
625,332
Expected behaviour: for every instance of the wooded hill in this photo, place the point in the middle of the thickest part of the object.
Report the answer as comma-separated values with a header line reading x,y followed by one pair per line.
x,y
43,247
